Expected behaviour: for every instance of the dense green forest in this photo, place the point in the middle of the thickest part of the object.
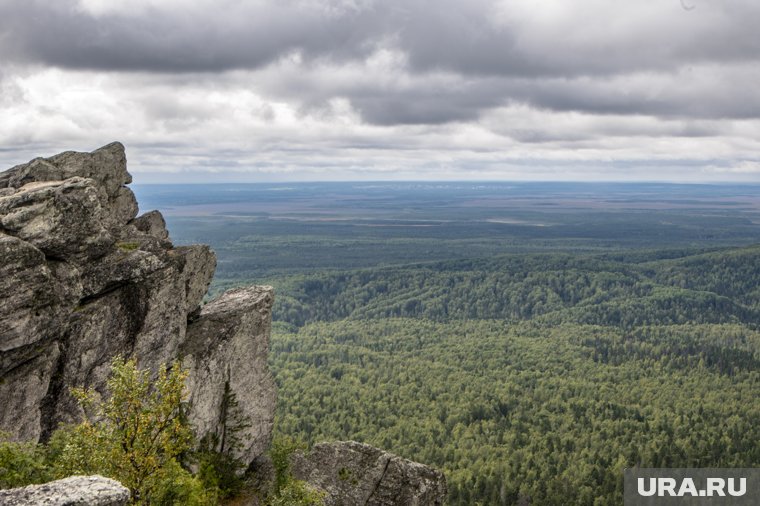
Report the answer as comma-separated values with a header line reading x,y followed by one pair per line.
x,y
717,287
529,339
530,377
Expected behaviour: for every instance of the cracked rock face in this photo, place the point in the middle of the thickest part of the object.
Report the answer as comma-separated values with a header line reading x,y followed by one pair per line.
x,y
228,345
82,280
72,491
355,473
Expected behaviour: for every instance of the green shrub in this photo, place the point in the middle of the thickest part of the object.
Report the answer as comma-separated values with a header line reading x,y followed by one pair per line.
x,y
217,465
219,470
139,439
297,493
22,464
142,439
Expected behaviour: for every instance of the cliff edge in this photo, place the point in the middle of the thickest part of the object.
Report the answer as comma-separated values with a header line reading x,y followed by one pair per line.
x,y
83,279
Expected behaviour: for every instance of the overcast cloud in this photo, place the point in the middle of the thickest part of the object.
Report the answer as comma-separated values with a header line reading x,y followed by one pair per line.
x,y
411,89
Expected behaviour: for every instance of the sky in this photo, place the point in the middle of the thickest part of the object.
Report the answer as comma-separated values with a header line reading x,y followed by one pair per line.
x,y
323,90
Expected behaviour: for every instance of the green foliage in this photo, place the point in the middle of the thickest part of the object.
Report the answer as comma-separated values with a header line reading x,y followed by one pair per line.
x,y
536,376
22,464
553,288
297,493
141,435
344,474
288,491
233,422
219,470
280,451
139,439
550,412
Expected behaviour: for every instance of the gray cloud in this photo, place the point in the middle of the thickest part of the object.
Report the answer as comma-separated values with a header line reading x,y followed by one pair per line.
x,y
476,37
355,86
592,56
714,91
430,102
222,36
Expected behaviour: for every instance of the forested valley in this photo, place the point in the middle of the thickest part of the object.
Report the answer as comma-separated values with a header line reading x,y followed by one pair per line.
x,y
530,340
530,377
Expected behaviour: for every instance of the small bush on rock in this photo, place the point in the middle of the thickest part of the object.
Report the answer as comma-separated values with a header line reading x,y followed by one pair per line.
x,y
139,438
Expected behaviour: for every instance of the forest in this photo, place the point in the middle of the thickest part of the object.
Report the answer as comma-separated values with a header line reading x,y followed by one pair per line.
x,y
531,341
530,378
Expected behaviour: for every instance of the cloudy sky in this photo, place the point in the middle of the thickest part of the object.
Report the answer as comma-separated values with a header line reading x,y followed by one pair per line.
x,y
285,90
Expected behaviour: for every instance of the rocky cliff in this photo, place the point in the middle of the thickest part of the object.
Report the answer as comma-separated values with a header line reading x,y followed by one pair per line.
x,y
84,279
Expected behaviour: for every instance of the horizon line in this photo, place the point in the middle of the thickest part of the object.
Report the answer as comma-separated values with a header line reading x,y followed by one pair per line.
x,y
449,181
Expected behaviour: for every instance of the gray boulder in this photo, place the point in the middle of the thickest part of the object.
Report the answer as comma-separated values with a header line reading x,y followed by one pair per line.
x,y
107,167
153,224
63,219
355,473
72,491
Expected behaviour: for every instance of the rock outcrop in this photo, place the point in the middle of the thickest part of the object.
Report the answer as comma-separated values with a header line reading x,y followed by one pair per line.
x,y
227,345
72,491
355,473
83,279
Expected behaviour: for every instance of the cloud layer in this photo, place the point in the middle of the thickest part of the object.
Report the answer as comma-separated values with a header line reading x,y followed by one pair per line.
x,y
421,89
